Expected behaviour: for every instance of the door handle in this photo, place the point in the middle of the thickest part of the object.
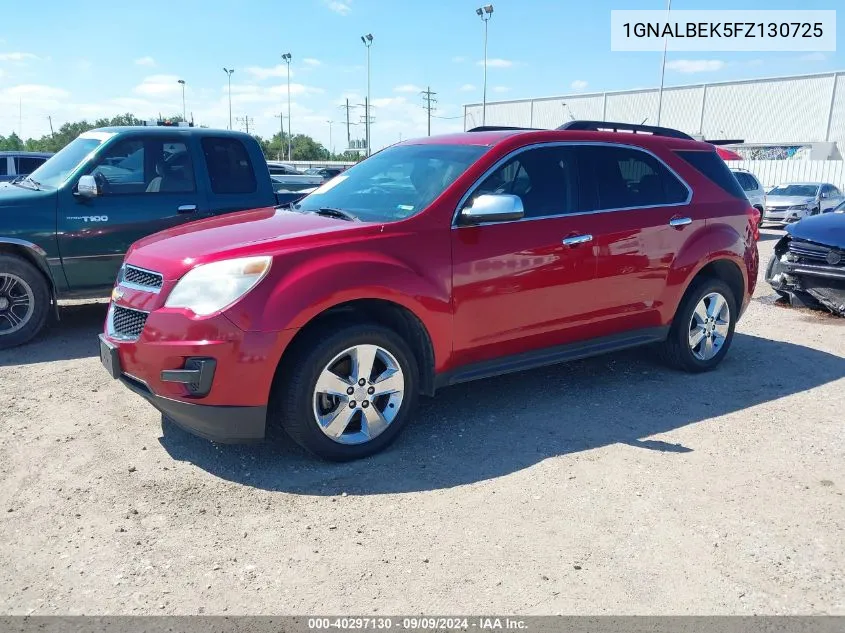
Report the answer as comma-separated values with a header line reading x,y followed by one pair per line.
x,y
187,208
577,239
676,222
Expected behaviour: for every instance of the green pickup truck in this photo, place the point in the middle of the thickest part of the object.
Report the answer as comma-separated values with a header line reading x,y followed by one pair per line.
x,y
65,228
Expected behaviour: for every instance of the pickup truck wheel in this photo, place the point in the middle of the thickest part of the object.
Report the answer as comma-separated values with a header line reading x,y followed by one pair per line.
x,y
24,301
349,394
703,327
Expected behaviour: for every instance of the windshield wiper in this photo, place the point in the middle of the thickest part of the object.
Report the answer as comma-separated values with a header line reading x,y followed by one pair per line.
x,y
22,179
332,212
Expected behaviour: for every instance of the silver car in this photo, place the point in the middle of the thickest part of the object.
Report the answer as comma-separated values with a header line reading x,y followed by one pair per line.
x,y
790,202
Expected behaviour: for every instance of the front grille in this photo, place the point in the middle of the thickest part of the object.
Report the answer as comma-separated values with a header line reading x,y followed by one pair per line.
x,y
127,323
141,277
809,251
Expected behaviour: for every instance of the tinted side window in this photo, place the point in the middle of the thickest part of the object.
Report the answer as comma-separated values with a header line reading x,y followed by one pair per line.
x,y
27,164
229,167
709,164
544,178
626,177
753,185
3,169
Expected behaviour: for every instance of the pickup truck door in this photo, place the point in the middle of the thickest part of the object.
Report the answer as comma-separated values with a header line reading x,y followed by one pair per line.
x,y
147,184
831,198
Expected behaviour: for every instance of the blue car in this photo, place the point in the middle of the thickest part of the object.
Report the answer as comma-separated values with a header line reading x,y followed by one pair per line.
x,y
808,266
16,164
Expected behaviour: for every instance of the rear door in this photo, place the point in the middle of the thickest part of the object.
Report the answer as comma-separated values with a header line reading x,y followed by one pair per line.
x,y
831,197
646,219
230,176
147,185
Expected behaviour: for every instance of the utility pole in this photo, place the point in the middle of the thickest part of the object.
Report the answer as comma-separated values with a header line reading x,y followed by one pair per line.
x,y
367,119
349,123
245,120
52,133
368,42
428,100
331,149
184,112
286,57
281,117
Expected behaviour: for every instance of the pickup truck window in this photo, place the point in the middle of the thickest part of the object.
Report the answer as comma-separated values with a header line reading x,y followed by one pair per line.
x,y
229,167
27,164
55,171
145,165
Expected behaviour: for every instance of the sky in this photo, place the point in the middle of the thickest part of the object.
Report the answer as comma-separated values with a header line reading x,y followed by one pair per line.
x,y
84,59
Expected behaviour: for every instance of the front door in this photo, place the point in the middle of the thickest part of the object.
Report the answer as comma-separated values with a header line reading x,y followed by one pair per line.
x,y
147,184
525,284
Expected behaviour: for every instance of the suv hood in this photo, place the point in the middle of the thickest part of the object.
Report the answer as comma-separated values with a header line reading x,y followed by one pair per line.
x,y
260,232
12,196
787,201
827,229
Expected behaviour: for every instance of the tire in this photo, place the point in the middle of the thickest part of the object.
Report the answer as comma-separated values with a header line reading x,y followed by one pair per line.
x,y
295,403
20,282
676,350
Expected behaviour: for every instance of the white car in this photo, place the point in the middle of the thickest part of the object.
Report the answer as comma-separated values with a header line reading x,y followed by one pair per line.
x,y
753,189
792,201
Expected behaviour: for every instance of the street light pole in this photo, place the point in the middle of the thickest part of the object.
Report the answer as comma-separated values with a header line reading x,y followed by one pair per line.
x,y
368,42
287,59
485,13
663,66
229,72
331,149
182,81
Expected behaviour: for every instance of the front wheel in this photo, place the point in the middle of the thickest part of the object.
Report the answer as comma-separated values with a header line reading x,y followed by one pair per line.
x,y
24,301
703,327
347,394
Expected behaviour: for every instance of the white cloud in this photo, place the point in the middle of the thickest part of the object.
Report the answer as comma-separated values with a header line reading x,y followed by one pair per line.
x,y
578,85
500,89
385,102
310,61
407,88
467,88
36,92
695,65
158,86
261,72
341,8
18,57
813,57
496,63
145,61
459,59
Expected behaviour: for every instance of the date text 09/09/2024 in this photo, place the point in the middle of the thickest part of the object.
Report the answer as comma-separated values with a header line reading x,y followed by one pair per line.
x,y
418,623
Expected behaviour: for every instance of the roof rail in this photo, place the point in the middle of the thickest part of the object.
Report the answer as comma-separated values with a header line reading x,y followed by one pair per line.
x,y
610,126
496,128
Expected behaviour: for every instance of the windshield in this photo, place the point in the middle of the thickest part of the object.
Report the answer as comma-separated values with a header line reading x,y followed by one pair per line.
x,y
396,183
805,191
56,170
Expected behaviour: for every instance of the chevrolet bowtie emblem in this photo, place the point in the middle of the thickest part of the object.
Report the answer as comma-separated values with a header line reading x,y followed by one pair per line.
x,y
116,294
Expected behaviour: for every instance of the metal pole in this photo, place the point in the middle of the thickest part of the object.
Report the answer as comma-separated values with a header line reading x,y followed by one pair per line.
x,y
484,94
184,115
289,137
229,72
663,66
367,108
281,133
331,149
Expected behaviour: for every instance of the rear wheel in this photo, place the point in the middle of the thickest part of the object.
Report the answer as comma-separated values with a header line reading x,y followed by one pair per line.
x,y
703,327
347,395
24,301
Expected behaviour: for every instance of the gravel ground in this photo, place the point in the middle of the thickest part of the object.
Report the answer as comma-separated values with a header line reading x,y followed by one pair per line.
x,y
606,486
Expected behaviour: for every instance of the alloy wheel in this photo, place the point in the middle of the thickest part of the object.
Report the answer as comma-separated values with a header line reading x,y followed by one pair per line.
x,y
17,303
358,394
709,326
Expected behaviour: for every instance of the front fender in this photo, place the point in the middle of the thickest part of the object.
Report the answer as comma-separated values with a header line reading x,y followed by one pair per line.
x,y
292,297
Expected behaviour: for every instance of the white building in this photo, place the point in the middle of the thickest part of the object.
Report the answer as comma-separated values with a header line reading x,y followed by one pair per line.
x,y
799,117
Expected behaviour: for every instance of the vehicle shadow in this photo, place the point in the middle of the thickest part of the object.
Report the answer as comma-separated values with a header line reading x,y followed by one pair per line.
x,y
767,236
487,429
74,336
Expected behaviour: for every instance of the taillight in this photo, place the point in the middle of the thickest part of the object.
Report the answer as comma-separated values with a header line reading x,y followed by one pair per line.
x,y
756,217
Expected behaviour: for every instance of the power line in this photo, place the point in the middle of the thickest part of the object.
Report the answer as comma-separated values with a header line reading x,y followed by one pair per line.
x,y
246,120
428,101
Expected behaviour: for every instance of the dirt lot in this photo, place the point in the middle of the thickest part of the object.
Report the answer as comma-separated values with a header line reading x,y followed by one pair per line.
x,y
611,485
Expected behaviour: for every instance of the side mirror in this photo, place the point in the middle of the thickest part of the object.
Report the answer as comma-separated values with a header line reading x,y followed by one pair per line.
x,y
489,207
87,187
825,195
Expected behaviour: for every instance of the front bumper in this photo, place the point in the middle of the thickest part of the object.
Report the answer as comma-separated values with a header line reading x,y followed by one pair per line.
x,y
206,375
226,425
782,216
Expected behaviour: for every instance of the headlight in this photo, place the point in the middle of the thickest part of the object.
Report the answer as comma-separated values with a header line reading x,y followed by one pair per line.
x,y
798,207
212,287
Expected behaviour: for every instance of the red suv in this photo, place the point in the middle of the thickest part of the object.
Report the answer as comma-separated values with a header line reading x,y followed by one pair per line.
x,y
433,262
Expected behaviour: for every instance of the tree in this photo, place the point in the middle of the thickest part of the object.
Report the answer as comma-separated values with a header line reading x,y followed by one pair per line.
x,y
12,142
